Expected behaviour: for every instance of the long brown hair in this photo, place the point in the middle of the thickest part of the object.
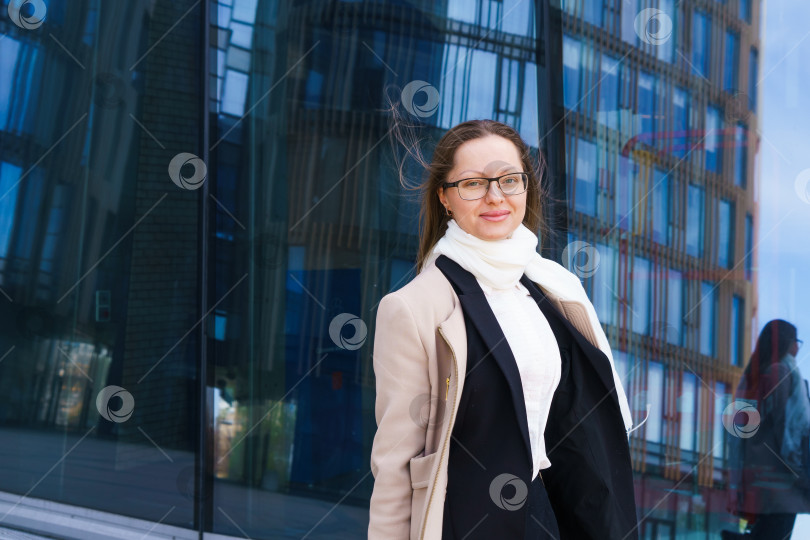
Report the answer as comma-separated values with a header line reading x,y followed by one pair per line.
x,y
432,215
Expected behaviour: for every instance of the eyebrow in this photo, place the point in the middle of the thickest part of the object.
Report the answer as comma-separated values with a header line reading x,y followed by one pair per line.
x,y
479,172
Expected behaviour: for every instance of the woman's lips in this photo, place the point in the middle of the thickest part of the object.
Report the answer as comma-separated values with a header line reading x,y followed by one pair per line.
x,y
500,217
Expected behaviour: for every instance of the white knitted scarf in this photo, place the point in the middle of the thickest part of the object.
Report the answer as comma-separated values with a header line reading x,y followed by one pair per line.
x,y
501,263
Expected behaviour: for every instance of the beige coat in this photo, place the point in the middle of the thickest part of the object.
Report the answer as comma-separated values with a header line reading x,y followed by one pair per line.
x,y
420,355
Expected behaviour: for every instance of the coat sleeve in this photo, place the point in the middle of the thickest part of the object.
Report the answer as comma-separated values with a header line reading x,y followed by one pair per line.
x,y
400,368
779,384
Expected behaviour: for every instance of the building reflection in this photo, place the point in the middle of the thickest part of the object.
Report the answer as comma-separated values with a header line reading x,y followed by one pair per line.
x,y
216,308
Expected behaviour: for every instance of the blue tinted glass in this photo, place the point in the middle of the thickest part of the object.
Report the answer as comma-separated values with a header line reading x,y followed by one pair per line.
x,y
736,331
694,221
674,323
713,139
732,60
745,10
660,206
655,398
687,407
646,107
572,51
665,50
679,139
700,44
722,398
749,245
586,167
642,282
724,228
708,300
625,198
604,280
753,79
608,112
594,11
740,155
9,187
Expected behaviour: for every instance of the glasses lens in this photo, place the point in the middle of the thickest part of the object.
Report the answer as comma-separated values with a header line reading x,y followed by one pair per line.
x,y
473,188
513,183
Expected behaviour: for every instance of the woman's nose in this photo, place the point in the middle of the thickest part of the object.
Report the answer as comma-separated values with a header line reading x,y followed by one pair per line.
x,y
494,192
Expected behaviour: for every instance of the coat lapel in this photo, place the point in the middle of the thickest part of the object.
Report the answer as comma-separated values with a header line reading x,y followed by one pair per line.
x,y
594,354
475,306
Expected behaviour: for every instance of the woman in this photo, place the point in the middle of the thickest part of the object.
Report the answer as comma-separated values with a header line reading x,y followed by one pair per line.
x,y
769,445
491,365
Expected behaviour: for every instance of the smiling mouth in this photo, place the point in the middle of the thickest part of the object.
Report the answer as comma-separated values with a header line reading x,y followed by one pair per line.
x,y
495,217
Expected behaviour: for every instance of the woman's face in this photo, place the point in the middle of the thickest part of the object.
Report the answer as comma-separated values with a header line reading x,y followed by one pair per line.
x,y
494,216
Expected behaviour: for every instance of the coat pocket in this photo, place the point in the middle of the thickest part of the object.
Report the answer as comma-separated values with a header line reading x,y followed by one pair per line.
x,y
420,467
420,470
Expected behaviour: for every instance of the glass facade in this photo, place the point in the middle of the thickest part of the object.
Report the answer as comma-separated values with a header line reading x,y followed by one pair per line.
x,y
200,210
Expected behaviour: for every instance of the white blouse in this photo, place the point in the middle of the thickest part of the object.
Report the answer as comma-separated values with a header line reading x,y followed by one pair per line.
x,y
537,356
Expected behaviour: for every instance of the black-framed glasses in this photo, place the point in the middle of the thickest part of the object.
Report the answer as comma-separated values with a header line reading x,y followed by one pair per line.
x,y
469,189
799,342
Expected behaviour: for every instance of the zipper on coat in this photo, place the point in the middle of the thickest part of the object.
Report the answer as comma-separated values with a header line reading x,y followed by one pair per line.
x,y
448,388
447,437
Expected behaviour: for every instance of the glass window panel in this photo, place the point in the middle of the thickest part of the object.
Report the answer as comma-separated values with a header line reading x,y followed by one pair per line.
x,y
713,140
666,49
694,221
745,10
625,198
686,406
642,282
708,322
737,330
721,400
732,60
660,206
753,79
674,307
725,225
604,285
9,187
655,397
740,155
586,167
629,10
700,43
749,245
608,113
594,11
101,265
680,122
645,127
459,10
572,52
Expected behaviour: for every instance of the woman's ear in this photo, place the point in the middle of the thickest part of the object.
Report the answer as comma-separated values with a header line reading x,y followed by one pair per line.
x,y
440,193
